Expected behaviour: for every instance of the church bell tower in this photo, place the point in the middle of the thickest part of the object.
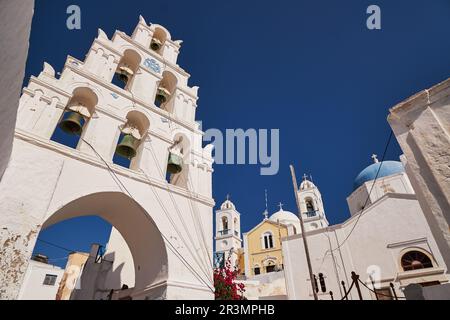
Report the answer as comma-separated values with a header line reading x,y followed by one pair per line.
x,y
311,205
228,232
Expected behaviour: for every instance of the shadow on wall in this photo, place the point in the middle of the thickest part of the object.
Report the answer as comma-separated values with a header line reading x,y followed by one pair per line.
x,y
98,279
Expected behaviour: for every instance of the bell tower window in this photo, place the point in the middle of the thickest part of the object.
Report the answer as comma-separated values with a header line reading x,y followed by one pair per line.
x,y
310,211
158,40
75,117
131,135
224,226
177,172
165,90
126,69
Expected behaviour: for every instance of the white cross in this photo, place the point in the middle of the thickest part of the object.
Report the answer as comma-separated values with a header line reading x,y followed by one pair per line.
x,y
375,158
281,206
305,177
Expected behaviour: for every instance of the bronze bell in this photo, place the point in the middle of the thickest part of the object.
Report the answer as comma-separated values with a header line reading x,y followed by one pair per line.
x,y
72,123
155,44
123,77
175,163
125,74
128,146
162,95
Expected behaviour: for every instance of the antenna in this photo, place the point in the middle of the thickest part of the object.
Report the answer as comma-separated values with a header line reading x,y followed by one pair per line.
x,y
266,212
266,198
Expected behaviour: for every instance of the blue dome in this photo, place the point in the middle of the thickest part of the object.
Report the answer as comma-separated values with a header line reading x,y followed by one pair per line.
x,y
387,169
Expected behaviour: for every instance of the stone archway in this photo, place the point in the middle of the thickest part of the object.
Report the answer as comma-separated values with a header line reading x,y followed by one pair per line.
x,y
135,225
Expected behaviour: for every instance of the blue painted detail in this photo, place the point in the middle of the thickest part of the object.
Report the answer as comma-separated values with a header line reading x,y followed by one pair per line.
x,y
387,169
114,95
153,65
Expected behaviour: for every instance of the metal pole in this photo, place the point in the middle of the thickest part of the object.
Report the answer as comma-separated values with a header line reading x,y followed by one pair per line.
x,y
374,289
393,290
355,279
345,291
305,243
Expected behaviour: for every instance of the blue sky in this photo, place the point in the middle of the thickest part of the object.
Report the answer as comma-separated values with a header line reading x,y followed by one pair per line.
x,y
309,68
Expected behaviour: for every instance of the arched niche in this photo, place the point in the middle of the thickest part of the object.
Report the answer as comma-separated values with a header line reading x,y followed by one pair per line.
x,y
165,91
132,134
75,117
127,68
177,172
160,35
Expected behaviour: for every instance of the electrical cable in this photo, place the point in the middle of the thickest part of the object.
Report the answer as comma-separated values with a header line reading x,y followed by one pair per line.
x,y
368,197
174,250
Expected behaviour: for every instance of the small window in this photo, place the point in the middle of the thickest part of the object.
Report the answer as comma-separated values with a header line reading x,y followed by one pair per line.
x,y
50,280
310,211
257,270
414,260
225,223
268,241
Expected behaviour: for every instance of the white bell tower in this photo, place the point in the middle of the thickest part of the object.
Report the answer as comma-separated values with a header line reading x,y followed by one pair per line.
x,y
114,135
228,231
311,205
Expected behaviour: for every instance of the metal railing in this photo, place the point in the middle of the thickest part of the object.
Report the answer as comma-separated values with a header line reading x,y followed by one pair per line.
x,y
311,214
224,232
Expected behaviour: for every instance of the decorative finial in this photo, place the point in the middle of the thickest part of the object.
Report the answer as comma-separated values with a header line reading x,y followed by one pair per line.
x,y
281,206
228,197
305,177
375,158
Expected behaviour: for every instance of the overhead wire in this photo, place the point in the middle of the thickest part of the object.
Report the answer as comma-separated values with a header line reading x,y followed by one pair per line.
x,y
172,247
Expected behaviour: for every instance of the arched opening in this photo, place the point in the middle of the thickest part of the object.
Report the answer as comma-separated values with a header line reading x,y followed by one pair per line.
x,y
158,40
225,228
310,211
165,90
270,266
268,240
75,117
126,69
177,172
129,143
138,232
414,260
236,227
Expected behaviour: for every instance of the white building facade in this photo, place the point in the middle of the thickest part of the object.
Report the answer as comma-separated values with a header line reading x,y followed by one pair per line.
x,y
41,281
159,204
386,240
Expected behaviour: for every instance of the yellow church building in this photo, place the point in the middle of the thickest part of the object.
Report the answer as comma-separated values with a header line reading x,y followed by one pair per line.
x,y
262,244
